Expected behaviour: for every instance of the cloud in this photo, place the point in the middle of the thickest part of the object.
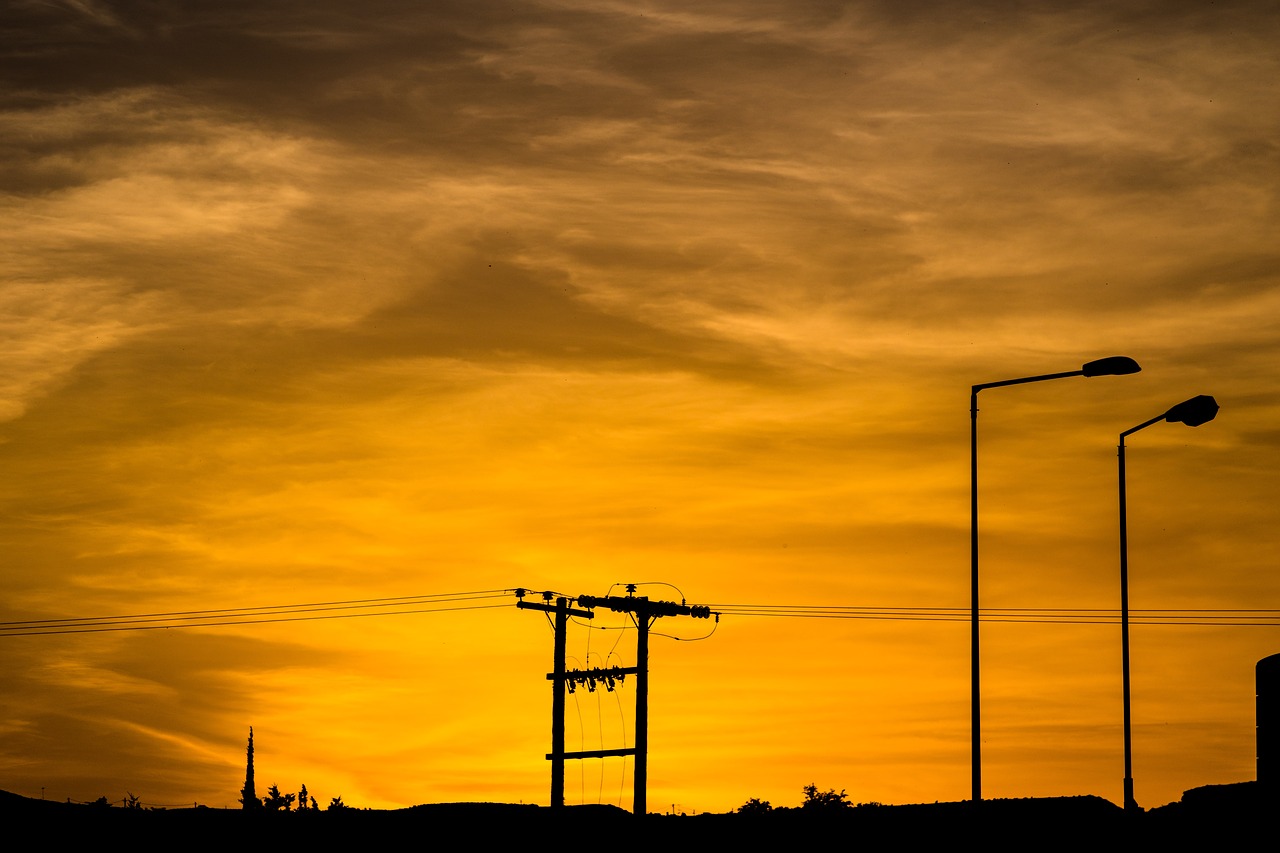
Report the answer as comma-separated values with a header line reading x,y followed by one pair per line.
x,y
311,303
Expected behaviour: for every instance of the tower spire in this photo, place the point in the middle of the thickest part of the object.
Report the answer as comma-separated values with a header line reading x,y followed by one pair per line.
x,y
248,794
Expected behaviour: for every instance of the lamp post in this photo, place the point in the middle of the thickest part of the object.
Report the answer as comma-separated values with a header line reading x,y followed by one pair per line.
x,y
1117,365
1194,412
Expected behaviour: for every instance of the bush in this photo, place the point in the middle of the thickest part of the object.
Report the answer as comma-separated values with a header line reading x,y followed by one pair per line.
x,y
829,800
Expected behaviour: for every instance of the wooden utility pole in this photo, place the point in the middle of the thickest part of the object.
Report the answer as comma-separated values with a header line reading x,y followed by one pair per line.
x,y
557,677
644,611
640,785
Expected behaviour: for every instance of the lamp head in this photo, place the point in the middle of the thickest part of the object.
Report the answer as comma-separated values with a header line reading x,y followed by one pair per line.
x,y
1116,365
1193,412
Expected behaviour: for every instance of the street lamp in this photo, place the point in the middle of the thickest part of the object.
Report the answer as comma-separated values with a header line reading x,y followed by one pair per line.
x,y
1194,412
1116,365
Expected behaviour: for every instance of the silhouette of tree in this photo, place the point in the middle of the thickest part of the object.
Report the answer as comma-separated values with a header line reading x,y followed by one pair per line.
x,y
275,801
829,800
302,799
337,805
102,802
755,806
132,802
248,794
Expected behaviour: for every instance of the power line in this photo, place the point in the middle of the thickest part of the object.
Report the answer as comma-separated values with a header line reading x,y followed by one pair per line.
x,y
1077,616
488,599
351,602
348,609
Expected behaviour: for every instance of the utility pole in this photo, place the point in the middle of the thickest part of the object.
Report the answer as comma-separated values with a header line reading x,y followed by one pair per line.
x,y
557,677
644,612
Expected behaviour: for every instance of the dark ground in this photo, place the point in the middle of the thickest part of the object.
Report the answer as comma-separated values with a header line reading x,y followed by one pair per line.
x,y
1221,816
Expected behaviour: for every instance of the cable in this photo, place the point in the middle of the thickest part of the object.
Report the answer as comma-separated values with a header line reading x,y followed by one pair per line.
x,y
458,601
246,621
622,717
705,636
253,615
659,583
599,735
348,603
1097,616
582,745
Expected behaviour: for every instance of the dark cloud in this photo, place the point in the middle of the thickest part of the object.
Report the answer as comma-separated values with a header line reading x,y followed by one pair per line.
x,y
109,700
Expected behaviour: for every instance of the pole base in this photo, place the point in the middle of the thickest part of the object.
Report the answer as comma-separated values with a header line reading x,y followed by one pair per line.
x,y
1130,804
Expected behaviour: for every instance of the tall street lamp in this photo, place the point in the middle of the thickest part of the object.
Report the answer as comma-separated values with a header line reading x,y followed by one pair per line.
x,y
1194,412
1116,365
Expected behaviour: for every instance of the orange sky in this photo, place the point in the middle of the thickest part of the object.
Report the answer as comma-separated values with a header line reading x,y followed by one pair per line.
x,y
309,302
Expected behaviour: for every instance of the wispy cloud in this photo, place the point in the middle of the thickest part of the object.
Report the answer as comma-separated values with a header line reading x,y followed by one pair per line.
x,y
305,302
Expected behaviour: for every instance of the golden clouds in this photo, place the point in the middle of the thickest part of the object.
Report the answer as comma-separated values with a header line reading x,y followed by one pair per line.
x,y
305,306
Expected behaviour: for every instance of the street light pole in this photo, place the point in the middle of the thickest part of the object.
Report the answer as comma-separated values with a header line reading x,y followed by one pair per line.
x,y
1194,412
1117,365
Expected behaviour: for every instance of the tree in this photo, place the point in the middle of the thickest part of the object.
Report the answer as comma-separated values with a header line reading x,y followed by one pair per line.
x,y
302,799
755,806
132,802
829,800
275,801
337,805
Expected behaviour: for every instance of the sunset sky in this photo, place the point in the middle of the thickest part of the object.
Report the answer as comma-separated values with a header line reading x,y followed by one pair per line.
x,y
322,301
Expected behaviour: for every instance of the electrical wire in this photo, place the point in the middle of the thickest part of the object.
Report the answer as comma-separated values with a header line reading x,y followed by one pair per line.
x,y
582,745
318,605
213,618
599,734
707,636
660,583
1221,617
622,719
488,599
224,624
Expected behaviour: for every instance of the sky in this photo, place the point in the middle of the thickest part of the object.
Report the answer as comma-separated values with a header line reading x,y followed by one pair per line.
x,y
321,302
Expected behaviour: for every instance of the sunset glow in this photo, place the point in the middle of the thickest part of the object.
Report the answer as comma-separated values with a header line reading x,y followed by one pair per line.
x,y
321,302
